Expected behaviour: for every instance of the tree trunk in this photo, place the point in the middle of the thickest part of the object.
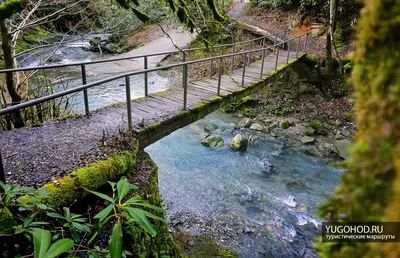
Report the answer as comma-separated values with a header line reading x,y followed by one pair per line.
x,y
9,64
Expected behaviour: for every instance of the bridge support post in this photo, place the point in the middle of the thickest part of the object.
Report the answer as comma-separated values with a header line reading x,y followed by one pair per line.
x,y
244,69
262,58
146,79
288,51
128,102
233,59
305,43
85,92
185,88
284,38
219,76
275,40
298,46
277,58
2,175
211,62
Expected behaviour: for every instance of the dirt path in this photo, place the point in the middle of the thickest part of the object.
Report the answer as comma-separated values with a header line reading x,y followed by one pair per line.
x,y
274,21
238,12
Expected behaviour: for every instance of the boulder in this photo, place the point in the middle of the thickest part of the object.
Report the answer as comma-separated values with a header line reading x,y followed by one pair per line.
x,y
342,147
245,122
213,141
240,142
256,127
307,140
210,127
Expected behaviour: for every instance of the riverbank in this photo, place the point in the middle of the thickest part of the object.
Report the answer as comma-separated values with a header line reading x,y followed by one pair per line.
x,y
293,108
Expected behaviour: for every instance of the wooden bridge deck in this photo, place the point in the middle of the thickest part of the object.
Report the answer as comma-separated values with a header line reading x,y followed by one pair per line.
x,y
34,155
158,105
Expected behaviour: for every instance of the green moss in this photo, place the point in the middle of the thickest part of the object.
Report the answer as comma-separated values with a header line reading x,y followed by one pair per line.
x,y
153,126
6,221
65,190
205,247
162,245
10,7
285,124
316,125
140,99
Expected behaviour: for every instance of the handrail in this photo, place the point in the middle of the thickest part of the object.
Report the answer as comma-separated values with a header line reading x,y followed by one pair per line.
x,y
84,87
43,67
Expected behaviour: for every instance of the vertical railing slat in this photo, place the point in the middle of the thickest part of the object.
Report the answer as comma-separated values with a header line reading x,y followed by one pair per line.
x,y
262,58
85,92
277,57
219,76
146,79
244,69
2,174
128,102
298,46
288,51
211,62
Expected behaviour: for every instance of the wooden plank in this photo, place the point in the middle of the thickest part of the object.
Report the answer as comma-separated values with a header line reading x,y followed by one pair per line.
x,y
162,99
155,105
222,91
202,91
228,83
166,102
200,85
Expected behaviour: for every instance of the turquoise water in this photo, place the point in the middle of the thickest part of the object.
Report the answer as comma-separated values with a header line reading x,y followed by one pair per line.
x,y
264,198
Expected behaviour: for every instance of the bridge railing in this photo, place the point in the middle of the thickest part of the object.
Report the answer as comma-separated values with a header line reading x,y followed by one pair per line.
x,y
85,86
83,65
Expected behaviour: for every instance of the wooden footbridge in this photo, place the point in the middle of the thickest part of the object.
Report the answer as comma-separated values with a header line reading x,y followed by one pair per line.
x,y
57,148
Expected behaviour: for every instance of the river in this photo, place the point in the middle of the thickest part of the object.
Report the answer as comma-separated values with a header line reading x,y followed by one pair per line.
x,y
107,93
260,203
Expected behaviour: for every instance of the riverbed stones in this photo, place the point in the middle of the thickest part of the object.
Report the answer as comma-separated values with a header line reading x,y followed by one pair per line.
x,y
245,122
309,131
240,142
346,133
257,127
307,140
214,141
210,127
233,125
339,136
285,124
342,147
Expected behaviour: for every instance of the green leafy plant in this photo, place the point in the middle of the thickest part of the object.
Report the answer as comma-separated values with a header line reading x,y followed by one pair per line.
x,y
10,192
43,246
125,212
76,223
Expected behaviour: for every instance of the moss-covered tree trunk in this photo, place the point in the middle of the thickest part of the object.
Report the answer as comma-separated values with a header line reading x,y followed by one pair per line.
x,y
9,64
7,9
370,189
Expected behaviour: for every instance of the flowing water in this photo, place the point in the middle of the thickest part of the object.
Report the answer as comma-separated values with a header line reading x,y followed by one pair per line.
x,y
263,200
107,93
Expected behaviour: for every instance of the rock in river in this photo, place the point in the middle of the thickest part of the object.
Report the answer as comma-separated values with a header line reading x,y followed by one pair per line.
x,y
342,147
245,122
240,142
256,127
210,127
214,141
307,139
